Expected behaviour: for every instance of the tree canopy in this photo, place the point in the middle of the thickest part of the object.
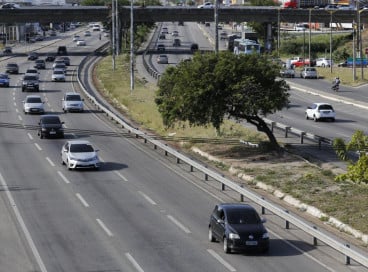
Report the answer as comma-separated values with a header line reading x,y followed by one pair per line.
x,y
212,87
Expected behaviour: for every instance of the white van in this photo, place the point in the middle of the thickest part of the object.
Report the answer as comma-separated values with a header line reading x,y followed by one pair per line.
x,y
96,27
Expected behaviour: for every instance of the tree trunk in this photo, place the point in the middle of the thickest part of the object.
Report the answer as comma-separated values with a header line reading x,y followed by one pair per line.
x,y
262,126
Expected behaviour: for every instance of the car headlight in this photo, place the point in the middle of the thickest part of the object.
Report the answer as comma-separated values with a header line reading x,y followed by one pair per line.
x,y
234,236
265,235
44,129
72,158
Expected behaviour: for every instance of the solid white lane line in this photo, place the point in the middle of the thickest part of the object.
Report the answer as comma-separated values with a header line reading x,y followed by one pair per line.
x,y
38,146
50,161
23,226
121,175
102,225
301,251
63,177
134,262
180,225
85,204
30,136
20,118
147,198
221,260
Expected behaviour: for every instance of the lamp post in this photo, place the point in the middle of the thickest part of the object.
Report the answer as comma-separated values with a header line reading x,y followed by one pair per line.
x,y
310,35
354,52
113,32
131,47
331,12
216,26
359,36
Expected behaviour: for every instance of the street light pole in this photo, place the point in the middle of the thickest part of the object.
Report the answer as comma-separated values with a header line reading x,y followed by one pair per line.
x,y
216,27
131,47
310,35
113,33
331,12
360,42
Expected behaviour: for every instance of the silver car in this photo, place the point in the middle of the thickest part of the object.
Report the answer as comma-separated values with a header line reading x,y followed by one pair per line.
x,y
79,154
309,72
33,104
72,102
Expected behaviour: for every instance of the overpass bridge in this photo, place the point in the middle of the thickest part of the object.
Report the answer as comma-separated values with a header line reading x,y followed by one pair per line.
x,y
46,14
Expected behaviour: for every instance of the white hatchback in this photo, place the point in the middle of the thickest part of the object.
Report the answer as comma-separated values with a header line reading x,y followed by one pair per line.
x,y
320,111
72,102
79,154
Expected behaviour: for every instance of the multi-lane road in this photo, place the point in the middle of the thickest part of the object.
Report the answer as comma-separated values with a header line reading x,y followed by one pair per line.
x,y
139,212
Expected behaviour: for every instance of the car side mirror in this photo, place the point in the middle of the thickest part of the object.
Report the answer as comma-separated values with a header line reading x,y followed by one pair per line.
x,y
62,122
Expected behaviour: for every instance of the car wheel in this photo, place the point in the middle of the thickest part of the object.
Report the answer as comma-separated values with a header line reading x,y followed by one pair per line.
x,y
211,238
41,136
332,119
315,118
226,247
22,89
306,116
323,65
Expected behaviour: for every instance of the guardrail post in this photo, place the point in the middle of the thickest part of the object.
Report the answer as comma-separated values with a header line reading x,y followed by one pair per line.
x,y
272,126
314,238
263,210
145,140
165,153
191,168
286,131
222,187
320,144
177,160
347,258
155,147
302,137
287,224
205,177
137,136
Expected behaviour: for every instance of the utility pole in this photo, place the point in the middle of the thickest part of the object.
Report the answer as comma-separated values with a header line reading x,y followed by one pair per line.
x,y
131,47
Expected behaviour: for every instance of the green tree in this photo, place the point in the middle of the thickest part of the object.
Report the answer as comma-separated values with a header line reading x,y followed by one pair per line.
x,y
212,87
357,171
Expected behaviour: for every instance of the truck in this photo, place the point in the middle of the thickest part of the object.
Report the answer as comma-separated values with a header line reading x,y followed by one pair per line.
x,y
304,3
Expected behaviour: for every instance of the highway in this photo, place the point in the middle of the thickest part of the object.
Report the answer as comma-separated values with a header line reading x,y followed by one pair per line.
x,y
139,212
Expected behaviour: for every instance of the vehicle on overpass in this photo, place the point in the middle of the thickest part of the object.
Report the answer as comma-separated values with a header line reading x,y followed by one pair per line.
x,y
304,3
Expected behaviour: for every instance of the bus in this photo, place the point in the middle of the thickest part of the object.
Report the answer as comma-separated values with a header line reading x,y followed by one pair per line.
x,y
246,46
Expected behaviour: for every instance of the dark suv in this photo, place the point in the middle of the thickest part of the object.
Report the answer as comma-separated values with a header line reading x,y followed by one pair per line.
x,y
30,82
12,68
40,64
239,227
50,126
62,50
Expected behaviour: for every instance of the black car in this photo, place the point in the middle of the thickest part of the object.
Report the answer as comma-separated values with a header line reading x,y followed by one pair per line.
x,y
40,64
12,68
30,82
33,56
50,126
194,47
62,50
7,50
160,47
239,227
50,58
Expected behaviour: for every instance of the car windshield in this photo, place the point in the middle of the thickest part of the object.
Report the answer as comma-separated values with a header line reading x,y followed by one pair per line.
x,y
4,76
73,98
79,148
32,71
325,107
30,78
12,65
51,120
34,100
239,216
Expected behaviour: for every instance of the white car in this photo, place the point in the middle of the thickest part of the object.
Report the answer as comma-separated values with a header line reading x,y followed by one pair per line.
x,y
81,43
33,104
32,72
96,27
323,62
175,33
76,38
162,59
320,111
206,5
87,33
72,102
79,154
58,75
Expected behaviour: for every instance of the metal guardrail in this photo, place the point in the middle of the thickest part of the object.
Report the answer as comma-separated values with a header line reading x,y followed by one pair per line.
x,y
289,218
